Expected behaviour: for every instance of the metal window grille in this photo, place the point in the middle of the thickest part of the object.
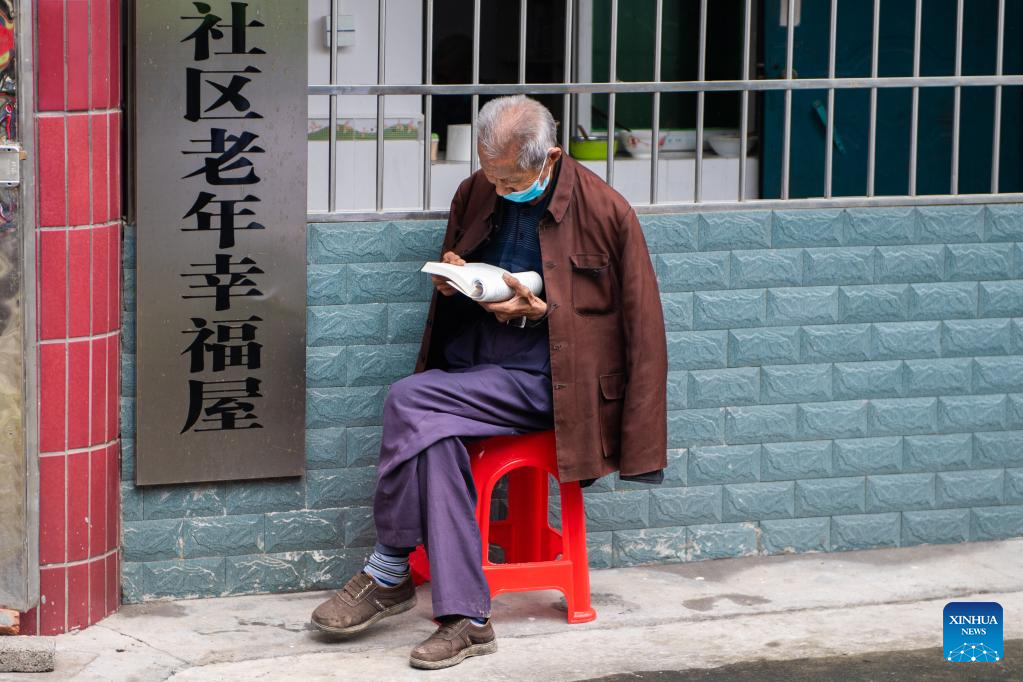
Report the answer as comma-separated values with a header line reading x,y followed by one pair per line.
x,y
789,83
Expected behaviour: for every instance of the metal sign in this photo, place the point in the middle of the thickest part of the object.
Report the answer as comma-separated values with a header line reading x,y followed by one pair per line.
x,y
221,204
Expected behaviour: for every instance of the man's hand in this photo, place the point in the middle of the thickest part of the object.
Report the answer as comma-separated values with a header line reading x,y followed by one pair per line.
x,y
524,302
442,284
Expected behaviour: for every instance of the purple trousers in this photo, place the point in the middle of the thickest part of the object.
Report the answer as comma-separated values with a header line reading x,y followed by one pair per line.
x,y
425,491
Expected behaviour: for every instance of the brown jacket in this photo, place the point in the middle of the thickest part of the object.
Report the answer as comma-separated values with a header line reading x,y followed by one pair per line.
x,y
607,342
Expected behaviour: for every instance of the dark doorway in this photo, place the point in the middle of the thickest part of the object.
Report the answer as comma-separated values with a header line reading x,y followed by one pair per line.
x,y
499,53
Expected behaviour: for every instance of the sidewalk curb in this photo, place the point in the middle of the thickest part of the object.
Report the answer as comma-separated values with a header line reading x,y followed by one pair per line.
x,y
24,654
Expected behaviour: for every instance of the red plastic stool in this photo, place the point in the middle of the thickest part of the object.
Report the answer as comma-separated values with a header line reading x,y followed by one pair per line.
x,y
538,557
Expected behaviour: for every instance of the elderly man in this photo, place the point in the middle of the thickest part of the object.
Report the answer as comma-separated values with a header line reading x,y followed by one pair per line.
x,y
586,357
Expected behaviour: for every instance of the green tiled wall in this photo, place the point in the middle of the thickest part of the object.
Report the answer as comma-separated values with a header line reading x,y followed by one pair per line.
x,y
839,379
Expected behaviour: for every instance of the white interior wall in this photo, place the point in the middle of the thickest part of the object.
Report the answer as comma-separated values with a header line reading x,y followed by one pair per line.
x,y
357,64
403,55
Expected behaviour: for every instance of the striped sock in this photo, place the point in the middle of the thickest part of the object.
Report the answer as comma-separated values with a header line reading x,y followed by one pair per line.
x,y
386,569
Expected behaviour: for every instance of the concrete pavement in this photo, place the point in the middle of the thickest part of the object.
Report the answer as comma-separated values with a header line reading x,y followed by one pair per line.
x,y
870,666
658,618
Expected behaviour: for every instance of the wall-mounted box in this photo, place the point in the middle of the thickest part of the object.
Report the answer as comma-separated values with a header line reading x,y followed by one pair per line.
x,y
345,30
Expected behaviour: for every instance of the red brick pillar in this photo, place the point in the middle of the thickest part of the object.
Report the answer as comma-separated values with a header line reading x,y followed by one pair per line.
x,y
77,165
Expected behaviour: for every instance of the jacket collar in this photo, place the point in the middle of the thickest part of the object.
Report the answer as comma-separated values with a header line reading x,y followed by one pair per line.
x,y
563,189
483,203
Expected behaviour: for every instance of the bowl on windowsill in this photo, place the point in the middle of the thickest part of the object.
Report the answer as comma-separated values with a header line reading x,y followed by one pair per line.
x,y
593,148
679,140
727,144
639,143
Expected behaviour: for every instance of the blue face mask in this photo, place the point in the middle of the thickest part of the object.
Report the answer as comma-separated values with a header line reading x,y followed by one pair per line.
x,y
531,192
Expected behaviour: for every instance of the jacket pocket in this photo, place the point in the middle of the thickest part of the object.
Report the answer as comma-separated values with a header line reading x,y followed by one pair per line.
x,y
592,290
612,399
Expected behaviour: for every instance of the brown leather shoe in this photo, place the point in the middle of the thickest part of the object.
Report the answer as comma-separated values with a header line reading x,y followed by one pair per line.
x,y
452,643
362,602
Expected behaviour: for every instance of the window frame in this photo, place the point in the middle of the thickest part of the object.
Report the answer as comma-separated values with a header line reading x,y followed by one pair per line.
x,y
787,84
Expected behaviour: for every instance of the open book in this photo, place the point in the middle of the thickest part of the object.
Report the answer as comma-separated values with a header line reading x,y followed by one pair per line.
x,y
483,282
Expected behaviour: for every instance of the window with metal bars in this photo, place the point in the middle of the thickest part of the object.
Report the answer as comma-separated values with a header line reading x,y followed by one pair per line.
x,y
723,105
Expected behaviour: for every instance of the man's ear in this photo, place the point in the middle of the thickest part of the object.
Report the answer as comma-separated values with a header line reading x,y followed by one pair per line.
x,y
553,154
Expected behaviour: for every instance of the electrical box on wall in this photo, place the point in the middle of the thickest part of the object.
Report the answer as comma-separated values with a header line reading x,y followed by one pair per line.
x,y
11,156
345,30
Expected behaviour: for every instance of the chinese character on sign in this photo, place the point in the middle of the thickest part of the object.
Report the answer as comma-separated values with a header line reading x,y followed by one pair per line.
x,y
234,345
209,29
214,166
229,94
225,278
223,403
226,216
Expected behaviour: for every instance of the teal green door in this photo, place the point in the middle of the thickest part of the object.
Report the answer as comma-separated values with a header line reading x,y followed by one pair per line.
x,y
894,106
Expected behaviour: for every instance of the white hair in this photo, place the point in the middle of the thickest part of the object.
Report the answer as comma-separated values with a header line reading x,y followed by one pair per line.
x,y
517,122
